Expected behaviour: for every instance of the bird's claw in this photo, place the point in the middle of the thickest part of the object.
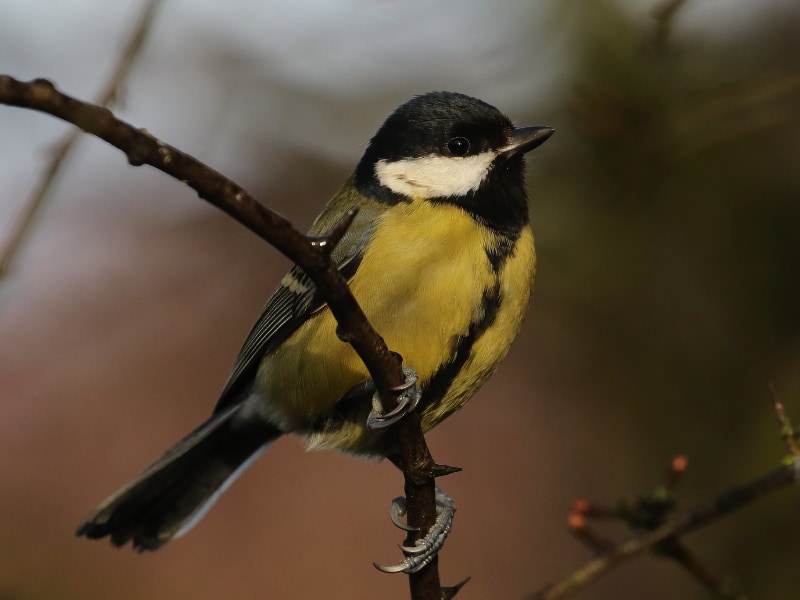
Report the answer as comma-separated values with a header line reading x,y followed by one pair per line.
x,y
425,549
406,402
398,511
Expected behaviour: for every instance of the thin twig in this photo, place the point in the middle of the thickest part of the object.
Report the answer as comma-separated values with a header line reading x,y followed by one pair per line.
x,y
789,434
579,527
721,587
107,97
649,511
675,527
313,257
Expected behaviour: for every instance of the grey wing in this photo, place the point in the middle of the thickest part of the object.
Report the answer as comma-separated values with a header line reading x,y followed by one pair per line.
x,y
291,305
296,299
284,312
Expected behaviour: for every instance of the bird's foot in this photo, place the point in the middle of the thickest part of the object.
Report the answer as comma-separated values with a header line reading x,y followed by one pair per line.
x,y
406,402
425,549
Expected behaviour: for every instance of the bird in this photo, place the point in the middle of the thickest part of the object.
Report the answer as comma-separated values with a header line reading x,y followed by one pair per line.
x,y
439,255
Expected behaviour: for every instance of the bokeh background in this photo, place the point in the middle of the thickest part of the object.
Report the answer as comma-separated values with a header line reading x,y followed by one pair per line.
x,y
667,215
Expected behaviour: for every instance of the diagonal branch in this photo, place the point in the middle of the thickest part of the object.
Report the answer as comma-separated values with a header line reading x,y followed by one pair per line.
x,y
663,535
702,515
142,148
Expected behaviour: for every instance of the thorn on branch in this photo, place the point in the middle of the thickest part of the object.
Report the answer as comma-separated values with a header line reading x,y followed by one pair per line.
x,y
449,592
436,470
326,243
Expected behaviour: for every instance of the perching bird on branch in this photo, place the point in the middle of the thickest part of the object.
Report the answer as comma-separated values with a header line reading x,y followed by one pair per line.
x,y
440,258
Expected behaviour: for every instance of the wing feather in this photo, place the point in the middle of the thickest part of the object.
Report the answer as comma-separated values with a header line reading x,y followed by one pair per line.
x,y
296,298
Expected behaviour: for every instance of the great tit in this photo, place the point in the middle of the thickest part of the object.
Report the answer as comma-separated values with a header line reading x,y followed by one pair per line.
x,y
440,257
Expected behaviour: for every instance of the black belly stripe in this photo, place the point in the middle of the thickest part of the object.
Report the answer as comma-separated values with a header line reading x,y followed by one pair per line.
x,y
353,406
443,378
503,249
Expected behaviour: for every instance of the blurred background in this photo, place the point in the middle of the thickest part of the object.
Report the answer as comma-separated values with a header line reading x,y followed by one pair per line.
x,y
667,215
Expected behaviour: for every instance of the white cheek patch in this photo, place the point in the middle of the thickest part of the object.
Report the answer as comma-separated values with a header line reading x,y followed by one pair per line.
x,y
435,176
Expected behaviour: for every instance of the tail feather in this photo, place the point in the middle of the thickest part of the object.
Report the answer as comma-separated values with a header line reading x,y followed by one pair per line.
x,y
173,493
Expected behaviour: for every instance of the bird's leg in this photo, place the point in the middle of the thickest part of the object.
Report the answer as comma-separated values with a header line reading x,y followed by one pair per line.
x,y
406,402
426,548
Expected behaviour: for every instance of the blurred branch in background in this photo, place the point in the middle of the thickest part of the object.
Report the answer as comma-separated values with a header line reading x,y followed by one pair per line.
x,y
109,96
664,15
661,533
682,270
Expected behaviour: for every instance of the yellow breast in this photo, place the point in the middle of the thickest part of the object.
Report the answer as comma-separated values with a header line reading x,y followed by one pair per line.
x,y
420,283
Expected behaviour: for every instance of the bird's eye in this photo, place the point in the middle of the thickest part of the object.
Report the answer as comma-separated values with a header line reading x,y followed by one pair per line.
x,y
458,146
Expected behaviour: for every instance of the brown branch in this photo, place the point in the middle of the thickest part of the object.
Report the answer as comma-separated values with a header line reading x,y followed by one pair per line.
x,y
721,587
107,97
310,254
672,529
649,512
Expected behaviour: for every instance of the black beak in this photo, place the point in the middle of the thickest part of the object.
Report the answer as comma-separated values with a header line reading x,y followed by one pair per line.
x,y
524,139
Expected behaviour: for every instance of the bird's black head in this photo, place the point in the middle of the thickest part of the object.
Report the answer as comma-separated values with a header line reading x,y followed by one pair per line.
x,y
451,148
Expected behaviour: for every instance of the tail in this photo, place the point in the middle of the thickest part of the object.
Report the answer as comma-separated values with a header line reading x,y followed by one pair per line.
x,y
175,492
